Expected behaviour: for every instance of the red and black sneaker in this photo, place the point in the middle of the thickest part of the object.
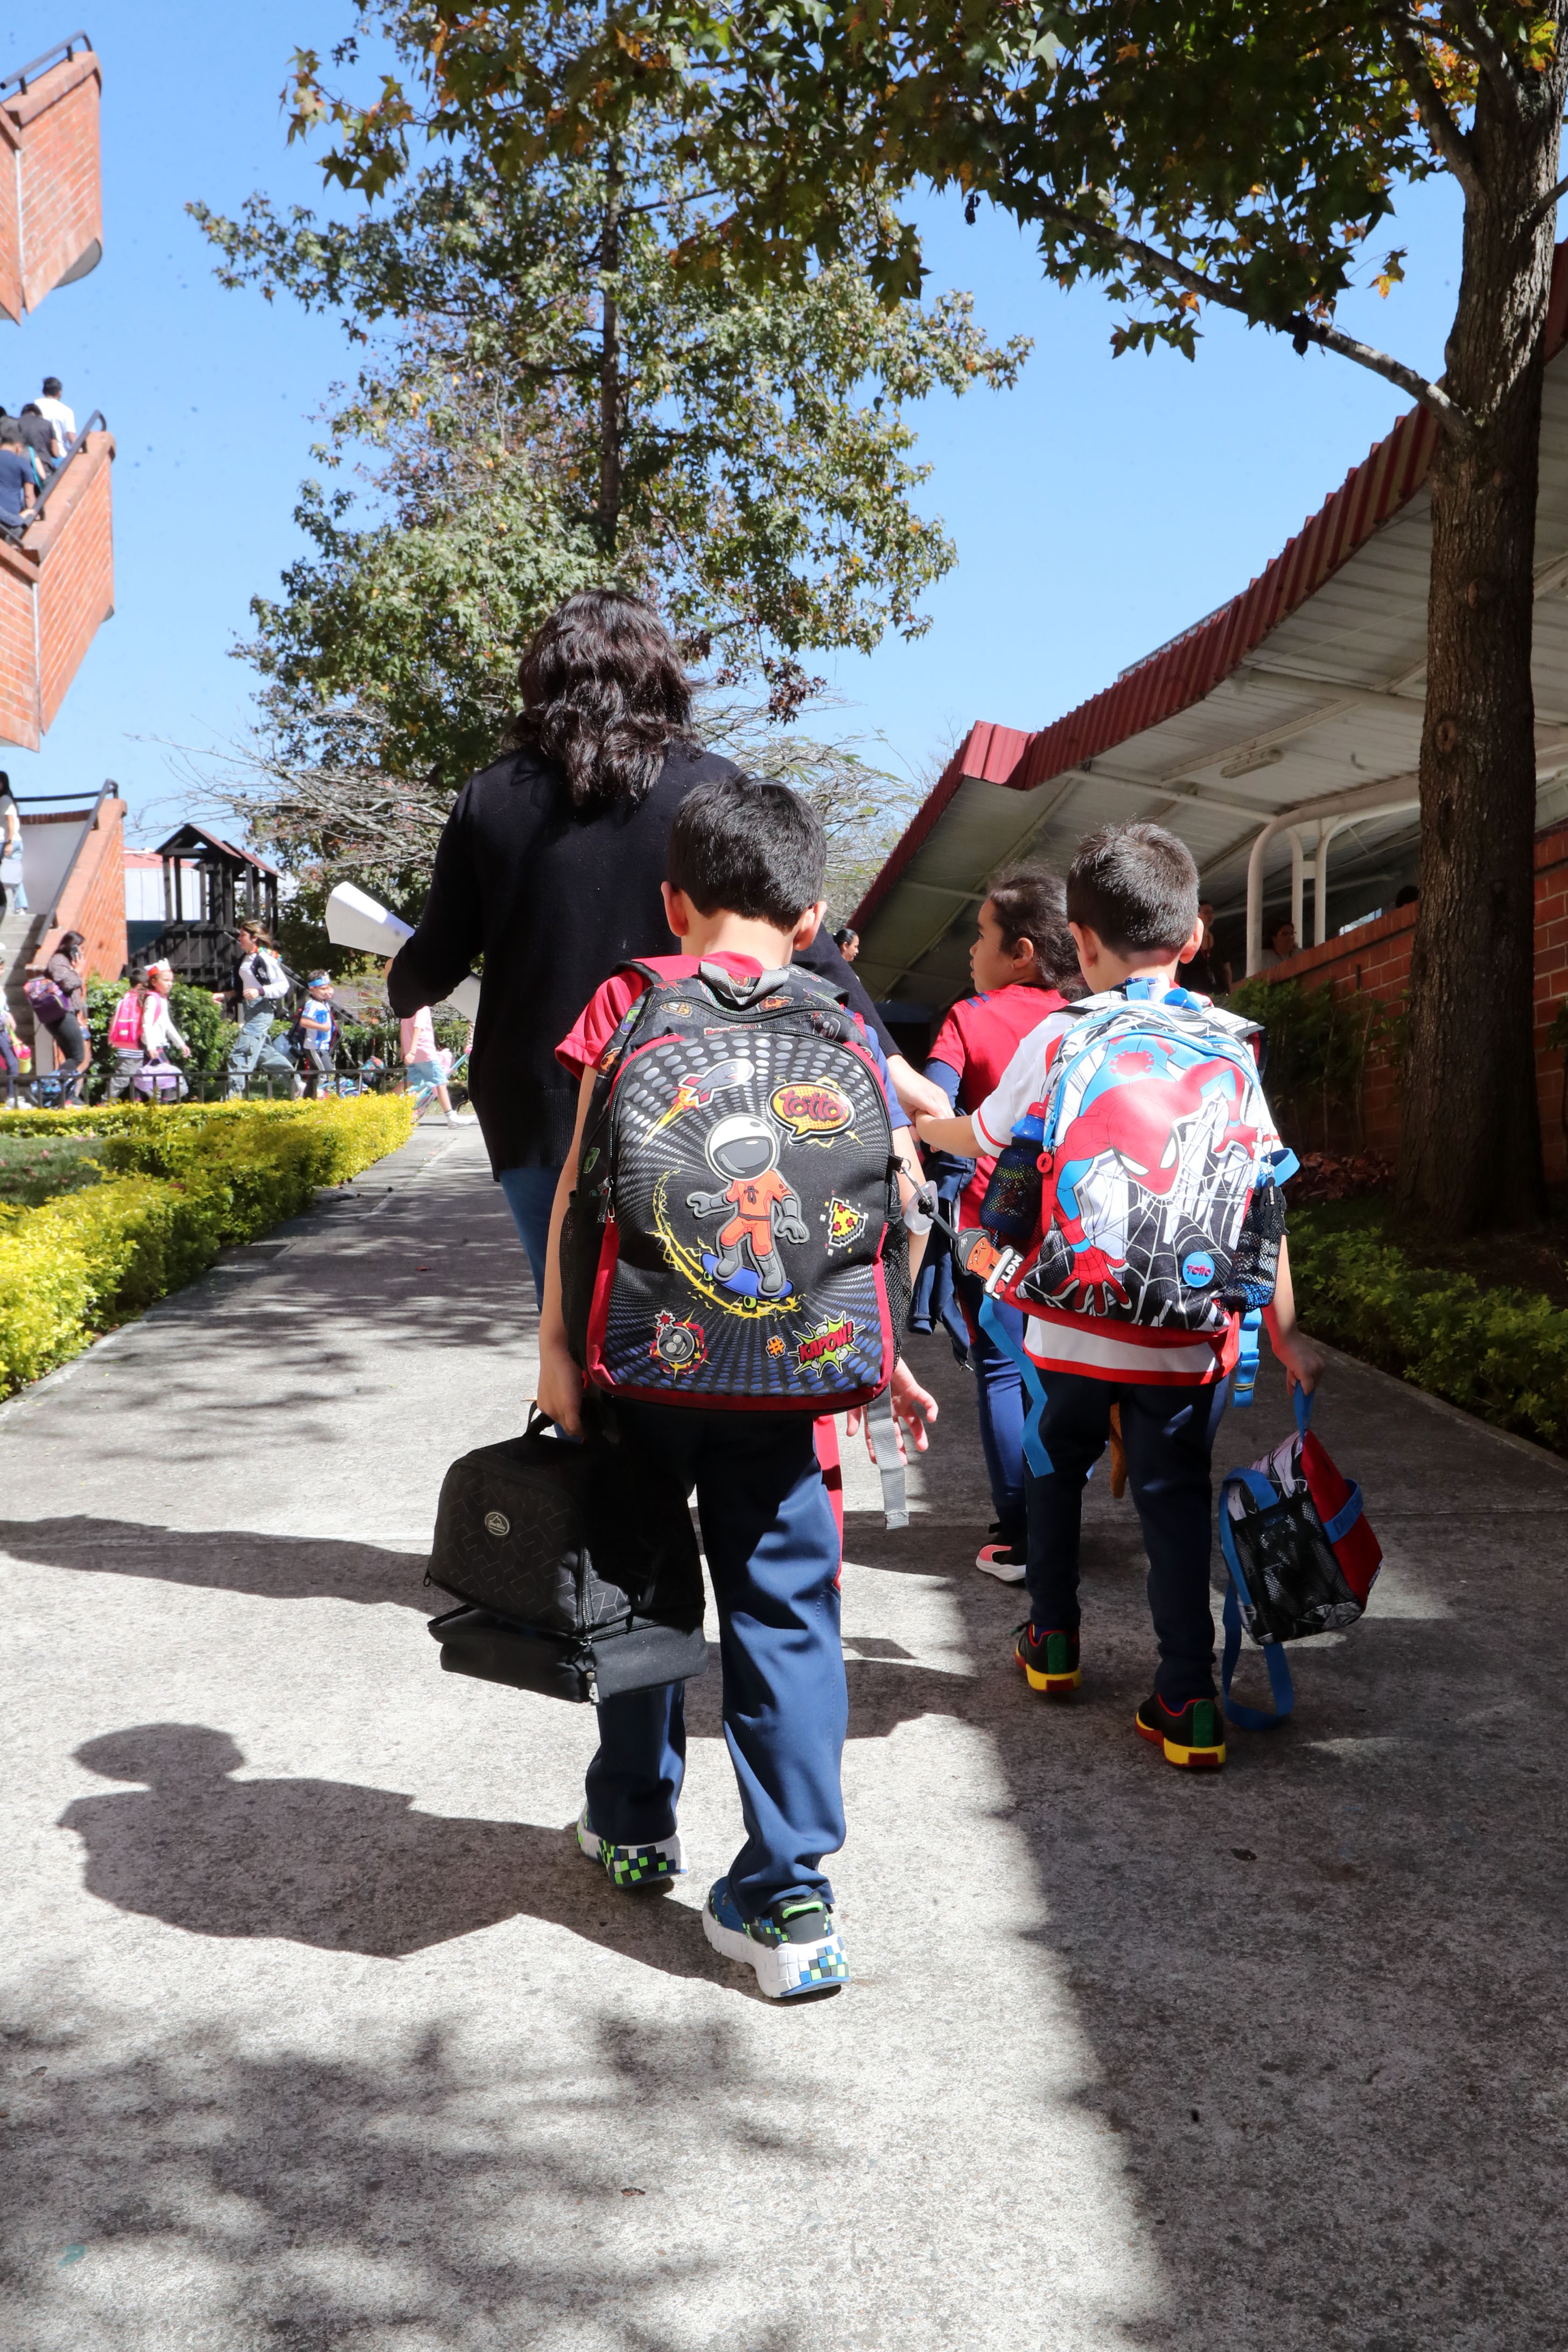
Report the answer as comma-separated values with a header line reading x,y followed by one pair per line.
x,y
1193,1736
1049,1660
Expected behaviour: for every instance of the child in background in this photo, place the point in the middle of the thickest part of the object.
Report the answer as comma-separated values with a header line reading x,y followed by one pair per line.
x,y
422,1060
10,1043
317,1029
1024,965
1132,902
745,890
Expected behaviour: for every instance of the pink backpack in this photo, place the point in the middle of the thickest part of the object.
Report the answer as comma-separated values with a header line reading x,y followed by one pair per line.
x,y
125,1029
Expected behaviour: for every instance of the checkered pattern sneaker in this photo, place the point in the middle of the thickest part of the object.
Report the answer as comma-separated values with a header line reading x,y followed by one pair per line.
x,y
796,1950
632,1866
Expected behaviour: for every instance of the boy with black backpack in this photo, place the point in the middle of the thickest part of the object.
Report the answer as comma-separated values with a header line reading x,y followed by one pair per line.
x,y
1145,1219
733,1272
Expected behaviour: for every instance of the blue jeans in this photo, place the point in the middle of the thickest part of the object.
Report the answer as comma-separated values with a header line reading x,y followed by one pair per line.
x,y
999,1394
1169,1434
530,1195
772,1552
253,1050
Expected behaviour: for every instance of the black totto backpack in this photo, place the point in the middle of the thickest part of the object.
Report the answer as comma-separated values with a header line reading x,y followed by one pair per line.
x,y
576,1566
734,1241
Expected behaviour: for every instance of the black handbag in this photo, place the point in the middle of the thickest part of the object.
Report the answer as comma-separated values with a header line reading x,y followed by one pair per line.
x,y
577,1565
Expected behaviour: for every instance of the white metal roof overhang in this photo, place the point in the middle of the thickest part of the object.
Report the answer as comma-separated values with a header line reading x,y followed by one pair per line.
x,y
1305,694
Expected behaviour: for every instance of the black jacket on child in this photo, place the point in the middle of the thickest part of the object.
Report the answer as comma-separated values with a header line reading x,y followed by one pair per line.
x,y
556,903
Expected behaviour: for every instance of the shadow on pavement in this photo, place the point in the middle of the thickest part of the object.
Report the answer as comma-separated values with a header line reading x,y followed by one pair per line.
x,y
272,1566
344,1868
1323,1987
329,2202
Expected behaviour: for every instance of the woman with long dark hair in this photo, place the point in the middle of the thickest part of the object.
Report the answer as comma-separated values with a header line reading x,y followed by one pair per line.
x,y
550,866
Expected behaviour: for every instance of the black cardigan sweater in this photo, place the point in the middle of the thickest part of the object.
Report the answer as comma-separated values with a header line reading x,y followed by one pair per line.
x,y
556,903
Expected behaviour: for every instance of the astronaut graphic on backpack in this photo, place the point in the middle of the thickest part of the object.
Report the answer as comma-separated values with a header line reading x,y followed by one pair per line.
x,y
745,1149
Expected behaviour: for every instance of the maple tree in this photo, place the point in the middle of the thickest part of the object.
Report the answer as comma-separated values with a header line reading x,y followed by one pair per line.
x,y
1178,154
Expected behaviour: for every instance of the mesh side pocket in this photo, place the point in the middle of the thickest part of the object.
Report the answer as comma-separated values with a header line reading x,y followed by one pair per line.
x,y
1254,1265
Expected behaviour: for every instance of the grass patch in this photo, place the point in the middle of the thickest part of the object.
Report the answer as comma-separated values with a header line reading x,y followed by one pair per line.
x,y
33,1169
1426,1310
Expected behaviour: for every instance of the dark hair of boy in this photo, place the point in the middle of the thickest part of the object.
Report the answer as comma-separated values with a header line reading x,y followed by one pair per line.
x,y
748,848
1031,903
51,387
1135,886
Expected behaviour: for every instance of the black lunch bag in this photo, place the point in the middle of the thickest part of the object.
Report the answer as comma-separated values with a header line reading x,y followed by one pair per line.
x,y
577,1565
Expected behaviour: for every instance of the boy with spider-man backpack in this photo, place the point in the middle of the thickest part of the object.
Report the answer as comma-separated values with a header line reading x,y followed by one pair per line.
x,y
1158,1221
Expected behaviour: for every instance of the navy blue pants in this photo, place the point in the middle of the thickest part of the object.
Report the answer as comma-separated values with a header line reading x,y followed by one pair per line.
x,y
773,1549
530,1196
1169,1434
999,1395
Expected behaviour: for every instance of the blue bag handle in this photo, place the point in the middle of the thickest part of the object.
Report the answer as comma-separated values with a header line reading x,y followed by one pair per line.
x,y
1250,1718
1348,1512
1303,1399
1035,1453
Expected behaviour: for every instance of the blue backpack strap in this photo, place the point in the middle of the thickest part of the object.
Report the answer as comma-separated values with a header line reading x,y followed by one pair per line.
x,y
1249,1719
1035,1453
1253,1718
1244,1379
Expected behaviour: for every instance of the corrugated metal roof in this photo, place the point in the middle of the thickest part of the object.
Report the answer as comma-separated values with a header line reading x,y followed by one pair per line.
x,y
1305,683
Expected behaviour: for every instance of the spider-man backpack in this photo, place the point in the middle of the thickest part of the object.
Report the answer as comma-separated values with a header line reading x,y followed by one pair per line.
x,y
1300,1555
734,1238
1135,1189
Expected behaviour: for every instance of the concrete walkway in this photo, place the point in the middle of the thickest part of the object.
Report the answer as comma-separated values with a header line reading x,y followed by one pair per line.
x,y
319,2031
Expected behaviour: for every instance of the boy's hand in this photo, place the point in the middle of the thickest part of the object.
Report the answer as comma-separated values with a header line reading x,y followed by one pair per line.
x,y
559,1392
1301,1360
908,1402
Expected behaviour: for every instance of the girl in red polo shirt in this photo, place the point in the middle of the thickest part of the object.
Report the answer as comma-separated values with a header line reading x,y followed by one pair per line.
x,y
1024,965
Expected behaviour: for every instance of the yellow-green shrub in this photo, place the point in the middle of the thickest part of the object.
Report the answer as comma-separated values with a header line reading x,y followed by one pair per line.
x,y
181,1188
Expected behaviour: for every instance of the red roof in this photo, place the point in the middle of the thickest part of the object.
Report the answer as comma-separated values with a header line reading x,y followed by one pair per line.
x,y
1181,672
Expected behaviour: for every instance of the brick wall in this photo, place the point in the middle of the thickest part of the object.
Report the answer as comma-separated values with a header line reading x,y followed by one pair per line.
x,y
51,208
10,219
76,575
93,899
20,713
56,590
1375,963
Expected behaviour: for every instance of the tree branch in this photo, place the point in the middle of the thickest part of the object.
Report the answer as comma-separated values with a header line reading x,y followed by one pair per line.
x,y
1447,136
1490,53
1454,420
1548,203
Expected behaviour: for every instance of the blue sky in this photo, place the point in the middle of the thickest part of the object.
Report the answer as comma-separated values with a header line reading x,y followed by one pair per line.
x,y
1098,508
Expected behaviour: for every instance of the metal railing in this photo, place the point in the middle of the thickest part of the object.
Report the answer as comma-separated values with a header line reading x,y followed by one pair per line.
x,y
45,62
77,449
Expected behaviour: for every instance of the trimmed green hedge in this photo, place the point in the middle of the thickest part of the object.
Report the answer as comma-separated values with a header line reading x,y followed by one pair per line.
x,y
1500,1354
181,1184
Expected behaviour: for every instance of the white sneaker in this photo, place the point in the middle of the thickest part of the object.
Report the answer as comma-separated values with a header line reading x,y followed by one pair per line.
x,y
462,1118
632,1865
796,1950
1001,1561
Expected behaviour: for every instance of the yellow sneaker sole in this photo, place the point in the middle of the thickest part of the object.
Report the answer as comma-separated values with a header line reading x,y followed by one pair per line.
x,y
1186,1759
1053,1685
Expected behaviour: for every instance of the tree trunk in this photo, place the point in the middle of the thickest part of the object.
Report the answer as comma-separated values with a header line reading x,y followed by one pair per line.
x,y
1470,1154
610,365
